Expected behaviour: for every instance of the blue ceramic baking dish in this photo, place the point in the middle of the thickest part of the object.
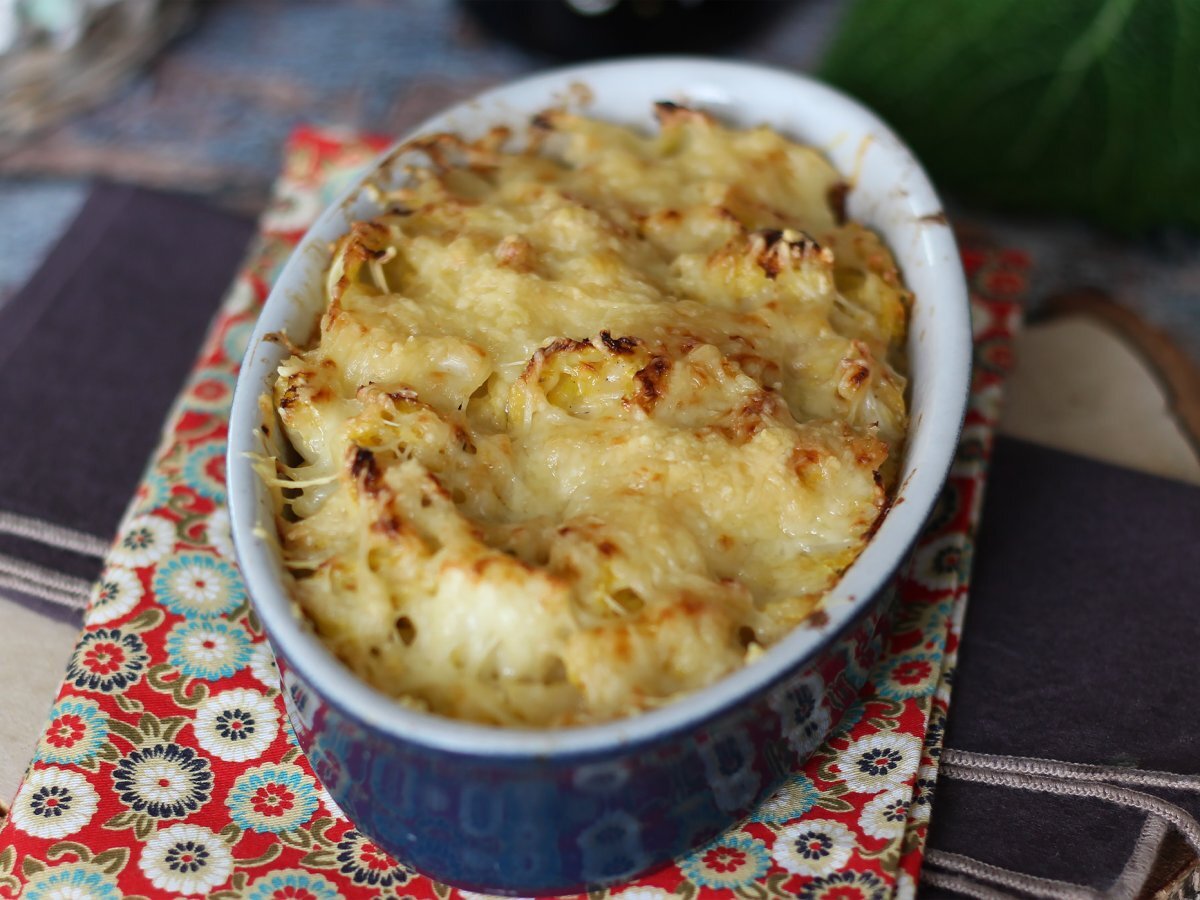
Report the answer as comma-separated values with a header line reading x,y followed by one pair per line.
x,y
516,811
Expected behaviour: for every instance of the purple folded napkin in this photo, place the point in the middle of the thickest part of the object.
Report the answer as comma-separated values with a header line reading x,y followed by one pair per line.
x,y
92,353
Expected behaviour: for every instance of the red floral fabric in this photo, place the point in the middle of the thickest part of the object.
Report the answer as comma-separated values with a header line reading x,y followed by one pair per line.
x,y
168,766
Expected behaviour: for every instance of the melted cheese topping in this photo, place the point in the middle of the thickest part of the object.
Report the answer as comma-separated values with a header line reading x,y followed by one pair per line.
x,y
587,426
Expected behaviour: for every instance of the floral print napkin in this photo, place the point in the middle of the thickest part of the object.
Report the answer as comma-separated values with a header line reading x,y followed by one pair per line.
x,y
168,766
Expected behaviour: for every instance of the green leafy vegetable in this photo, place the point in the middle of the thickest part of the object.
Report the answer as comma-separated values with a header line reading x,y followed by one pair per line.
x,y
1089,107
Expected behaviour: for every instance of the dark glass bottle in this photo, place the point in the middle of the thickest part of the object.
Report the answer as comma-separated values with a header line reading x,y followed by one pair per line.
x,y
587,29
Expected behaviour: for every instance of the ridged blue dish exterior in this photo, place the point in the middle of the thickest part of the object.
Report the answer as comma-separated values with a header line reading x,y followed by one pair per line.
x,y
567,823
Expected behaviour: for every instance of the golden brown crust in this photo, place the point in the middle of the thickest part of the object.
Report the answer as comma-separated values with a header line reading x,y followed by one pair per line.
x,y
586,427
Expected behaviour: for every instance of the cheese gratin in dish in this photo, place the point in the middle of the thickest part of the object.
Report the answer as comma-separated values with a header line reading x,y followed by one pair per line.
x,y
591,418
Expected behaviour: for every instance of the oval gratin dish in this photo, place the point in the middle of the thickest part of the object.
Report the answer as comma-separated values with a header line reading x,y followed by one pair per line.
x,y
524,811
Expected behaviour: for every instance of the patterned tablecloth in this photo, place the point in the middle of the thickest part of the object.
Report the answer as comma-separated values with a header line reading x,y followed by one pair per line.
x,y
168,766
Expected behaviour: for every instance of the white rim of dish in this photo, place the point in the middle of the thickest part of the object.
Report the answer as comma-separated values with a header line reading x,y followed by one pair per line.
x,y
857,588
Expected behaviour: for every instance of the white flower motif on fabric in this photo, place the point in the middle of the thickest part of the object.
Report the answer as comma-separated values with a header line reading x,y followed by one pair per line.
x,y
237,725
241,297
939,565
145,540
186,859
813,847
922,795
988,402
262,665
970,459
885,815
165,781
293,208
220,534
982,319
54,803
879,762
116,593
906,888
945,684
162,783
935,734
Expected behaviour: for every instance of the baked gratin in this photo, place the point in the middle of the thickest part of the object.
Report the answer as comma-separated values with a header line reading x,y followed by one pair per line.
x,y
587,425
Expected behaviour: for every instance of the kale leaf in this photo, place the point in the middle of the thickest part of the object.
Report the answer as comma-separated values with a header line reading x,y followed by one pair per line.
x,y
1087,107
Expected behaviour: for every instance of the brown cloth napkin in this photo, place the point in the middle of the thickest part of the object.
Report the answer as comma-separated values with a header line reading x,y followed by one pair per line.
x,y
92,353
1080,645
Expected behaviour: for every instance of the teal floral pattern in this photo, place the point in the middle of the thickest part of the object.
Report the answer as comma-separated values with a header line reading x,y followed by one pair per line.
x,y
272,798
291,884
204,472
79,881
732,861
210,650
906,676
77,730
794,798
198,585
